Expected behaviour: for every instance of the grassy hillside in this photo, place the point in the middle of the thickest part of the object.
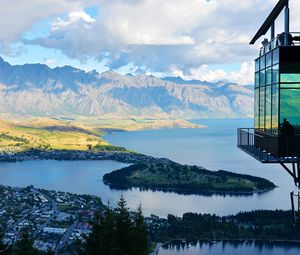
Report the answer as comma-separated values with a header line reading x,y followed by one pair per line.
x,y
47,134
173,176
18,133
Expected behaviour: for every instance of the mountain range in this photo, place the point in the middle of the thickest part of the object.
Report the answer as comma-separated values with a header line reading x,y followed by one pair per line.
x,y
37,90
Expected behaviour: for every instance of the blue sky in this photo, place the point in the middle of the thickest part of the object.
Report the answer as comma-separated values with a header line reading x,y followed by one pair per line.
x,y
195,39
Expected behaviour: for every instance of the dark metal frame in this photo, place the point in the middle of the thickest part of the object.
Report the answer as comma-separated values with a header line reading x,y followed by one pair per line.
x,y
270,20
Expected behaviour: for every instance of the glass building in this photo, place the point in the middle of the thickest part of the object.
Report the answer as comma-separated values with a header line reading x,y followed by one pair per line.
x,y
276,133
275,137
277,89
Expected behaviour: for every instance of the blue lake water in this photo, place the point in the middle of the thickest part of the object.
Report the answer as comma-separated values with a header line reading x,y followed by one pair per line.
x,y
213,148
229,248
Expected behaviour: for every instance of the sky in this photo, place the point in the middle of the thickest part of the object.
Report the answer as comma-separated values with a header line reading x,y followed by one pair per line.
x,y
194,39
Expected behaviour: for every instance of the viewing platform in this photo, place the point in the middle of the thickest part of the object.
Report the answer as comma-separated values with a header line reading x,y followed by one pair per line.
x,y
269,148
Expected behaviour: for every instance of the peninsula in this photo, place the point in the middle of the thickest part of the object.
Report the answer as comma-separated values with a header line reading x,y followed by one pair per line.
x,y
170,176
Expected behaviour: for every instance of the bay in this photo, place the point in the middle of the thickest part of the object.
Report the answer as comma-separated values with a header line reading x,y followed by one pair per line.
x,y
213,147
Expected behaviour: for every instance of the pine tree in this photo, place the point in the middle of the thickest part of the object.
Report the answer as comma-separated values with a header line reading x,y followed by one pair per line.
x,y
24,246
140,233
124,227
115,233
4,249
94,242
109,232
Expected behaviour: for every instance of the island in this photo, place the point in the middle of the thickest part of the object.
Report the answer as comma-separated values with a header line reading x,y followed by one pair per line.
x,y
166,175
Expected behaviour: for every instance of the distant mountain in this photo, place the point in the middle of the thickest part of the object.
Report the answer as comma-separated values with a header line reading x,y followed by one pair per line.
x,y
36,89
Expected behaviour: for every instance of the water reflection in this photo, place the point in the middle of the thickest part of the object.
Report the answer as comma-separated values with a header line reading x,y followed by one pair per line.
x,y
121,188
238,247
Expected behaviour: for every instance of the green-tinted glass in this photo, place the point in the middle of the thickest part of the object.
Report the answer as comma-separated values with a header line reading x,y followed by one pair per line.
x,y
290,85
268,107
256,109
290,107
275,102
262,77
290,77
262,108
269,76
275,72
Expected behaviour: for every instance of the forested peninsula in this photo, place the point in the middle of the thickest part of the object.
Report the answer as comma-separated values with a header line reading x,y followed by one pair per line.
x,y
170,176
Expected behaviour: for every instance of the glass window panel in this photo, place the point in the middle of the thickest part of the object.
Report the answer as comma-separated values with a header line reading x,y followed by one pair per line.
x,y
275,102
257,79
262,108
269,59
290,107
275,72
290,85
256,109
269,76
262,77
290,77
276,56
262,62
268,107
256,65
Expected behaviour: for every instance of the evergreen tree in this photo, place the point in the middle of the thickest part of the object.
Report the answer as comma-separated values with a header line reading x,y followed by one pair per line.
x,y
4,249
115,233
24,246
140,233
109,232
124,227
94,242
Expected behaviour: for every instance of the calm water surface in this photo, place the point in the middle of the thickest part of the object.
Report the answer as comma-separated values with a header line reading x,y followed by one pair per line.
x,y
213,148
226,248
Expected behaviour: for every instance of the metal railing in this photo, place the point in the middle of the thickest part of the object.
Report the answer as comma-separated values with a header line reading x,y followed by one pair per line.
x,y
278,42
269,148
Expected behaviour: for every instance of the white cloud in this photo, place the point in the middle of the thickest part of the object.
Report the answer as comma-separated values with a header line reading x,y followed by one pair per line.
x,y
73,17
158,35
244,76
19,16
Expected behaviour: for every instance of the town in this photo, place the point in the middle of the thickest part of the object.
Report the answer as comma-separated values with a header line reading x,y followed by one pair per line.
x,y
55,220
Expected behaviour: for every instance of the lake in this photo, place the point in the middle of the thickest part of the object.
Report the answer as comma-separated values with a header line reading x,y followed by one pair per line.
x,y
213,147
229,248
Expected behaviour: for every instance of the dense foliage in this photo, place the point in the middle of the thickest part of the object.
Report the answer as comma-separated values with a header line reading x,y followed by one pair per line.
x,y
108,147
169,175
116,232
263,225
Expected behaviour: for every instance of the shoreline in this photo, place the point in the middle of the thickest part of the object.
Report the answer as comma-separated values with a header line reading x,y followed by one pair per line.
x,y
72,155
188,192
119,156
241,240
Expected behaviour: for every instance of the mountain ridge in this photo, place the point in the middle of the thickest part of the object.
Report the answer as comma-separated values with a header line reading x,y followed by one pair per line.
x,y
38,90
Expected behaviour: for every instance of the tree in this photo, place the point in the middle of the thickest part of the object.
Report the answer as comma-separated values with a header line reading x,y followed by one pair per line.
x,y
124,228
116,233
140,233
94,242
4,249
109,231
24,246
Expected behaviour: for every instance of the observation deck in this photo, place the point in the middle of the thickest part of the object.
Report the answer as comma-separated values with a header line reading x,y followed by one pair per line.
x,y
269,149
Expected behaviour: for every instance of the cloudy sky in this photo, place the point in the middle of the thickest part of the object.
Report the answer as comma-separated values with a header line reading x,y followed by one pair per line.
x,y
202,39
